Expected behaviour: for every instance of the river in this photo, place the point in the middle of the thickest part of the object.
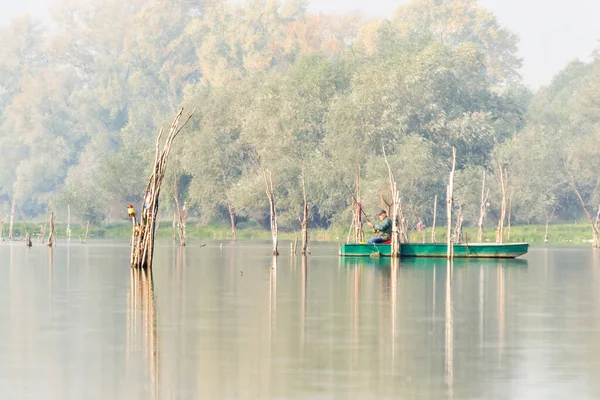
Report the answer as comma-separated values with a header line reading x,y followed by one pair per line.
x,y
225,321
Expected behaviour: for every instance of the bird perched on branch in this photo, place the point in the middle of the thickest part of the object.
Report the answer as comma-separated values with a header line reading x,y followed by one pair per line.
x,y
130,211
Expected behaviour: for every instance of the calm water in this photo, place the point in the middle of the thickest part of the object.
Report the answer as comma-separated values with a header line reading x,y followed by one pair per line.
x,y
226,323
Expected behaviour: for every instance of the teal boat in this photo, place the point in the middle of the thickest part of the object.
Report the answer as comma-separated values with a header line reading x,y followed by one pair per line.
x,y
461,250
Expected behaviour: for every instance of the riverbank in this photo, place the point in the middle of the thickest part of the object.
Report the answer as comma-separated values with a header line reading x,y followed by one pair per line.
x,y
558,234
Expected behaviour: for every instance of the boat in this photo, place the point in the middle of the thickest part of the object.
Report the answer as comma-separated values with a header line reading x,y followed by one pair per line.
x,y
461,250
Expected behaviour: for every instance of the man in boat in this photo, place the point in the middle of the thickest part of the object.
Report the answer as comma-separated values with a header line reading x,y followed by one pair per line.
x,y
383,229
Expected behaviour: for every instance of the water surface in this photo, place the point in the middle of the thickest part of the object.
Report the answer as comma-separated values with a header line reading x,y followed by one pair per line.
x,y
231,323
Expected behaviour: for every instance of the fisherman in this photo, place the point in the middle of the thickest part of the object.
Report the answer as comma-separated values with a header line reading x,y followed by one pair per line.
x,y
383,229
131,211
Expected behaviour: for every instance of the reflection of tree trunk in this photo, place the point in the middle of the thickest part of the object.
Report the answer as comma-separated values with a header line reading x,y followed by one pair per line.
x,y
273,213
594,224
433,240
449,328
304,220
303,299
482,210
142,312
232,218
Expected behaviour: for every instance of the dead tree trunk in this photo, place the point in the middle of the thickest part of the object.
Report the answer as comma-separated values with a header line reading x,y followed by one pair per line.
x,y
503,185
52,234
594,224
304,219
359,233
232,218
273,213
143,244
548,217
12,219
181,216
394,210
68,221
482,209
596,239
46,221
458,227
83,239
28,240
449,190
433,239
508,219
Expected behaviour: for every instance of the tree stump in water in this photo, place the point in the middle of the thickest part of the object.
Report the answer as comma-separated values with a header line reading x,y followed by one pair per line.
x,y
142,241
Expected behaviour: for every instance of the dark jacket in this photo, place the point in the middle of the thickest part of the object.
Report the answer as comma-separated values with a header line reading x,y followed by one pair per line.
x,y
384,229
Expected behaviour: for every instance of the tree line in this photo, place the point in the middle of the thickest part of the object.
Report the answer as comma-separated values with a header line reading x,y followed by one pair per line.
x,y
299,95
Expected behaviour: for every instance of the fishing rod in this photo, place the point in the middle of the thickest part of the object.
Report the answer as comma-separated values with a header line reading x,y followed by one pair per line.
x,y
357,202
346,186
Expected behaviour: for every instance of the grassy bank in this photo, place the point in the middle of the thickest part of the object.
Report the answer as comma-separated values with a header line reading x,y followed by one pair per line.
x,y
558,234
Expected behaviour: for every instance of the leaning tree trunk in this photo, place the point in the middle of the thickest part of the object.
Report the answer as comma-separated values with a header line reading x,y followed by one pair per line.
x,y
142,249
482,210
304,221
273,213
594,224
181,216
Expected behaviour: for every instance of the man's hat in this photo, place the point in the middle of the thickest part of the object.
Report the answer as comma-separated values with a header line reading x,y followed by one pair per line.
x,y
382,212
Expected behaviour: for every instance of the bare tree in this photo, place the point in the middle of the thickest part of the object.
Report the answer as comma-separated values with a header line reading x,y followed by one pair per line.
x,y
142,249
273,212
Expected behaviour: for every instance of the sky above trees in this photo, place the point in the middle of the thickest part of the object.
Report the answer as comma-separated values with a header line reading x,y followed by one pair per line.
x,y
552,32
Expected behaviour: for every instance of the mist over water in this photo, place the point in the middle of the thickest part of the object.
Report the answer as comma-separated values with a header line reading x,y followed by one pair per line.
x,y
229,322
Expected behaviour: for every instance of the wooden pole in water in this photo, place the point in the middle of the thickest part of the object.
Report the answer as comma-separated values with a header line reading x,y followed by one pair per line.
x,y
304,219
395,206
449,189
500,227
68,221
433,240
482,209
12,219
273,212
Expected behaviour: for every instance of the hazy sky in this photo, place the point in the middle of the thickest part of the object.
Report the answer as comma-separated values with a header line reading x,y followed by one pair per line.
x,y
552,32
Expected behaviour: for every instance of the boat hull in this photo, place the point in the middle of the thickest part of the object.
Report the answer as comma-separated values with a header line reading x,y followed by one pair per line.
x,y
474,250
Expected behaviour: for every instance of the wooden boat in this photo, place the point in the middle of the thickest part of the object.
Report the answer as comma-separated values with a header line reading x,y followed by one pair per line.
x,y
461,250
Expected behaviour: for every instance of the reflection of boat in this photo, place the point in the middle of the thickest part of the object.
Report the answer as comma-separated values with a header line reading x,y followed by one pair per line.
x,y
428,262
461,250
366,262
464,262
